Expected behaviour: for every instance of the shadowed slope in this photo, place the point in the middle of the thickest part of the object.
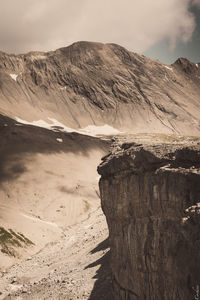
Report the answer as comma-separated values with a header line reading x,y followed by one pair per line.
x,y
48,181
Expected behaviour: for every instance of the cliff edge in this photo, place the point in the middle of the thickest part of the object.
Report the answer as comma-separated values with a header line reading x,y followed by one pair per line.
x,y
151,198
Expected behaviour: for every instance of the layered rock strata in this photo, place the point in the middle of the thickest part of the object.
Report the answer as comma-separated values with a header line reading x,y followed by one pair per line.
x,y
151,198
95,84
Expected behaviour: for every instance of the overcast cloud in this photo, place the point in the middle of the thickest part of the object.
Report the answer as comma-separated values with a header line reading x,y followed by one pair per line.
x,y
27,25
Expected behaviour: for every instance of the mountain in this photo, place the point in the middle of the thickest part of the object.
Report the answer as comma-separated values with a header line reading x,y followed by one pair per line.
x,y
96,84
59,113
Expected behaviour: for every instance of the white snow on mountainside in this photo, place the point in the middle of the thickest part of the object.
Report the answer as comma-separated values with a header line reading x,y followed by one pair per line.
x,y
91,130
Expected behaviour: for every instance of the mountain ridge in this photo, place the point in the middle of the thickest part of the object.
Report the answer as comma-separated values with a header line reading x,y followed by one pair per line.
x,y
91,83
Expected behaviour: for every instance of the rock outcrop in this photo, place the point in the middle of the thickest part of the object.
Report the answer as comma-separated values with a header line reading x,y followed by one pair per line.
x,y
95,84
151,198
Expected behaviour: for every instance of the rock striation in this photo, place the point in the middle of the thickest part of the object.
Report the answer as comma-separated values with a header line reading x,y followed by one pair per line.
x,y
150,195
95,84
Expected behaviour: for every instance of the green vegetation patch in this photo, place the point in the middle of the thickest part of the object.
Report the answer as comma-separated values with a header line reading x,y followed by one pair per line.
x,y
10,240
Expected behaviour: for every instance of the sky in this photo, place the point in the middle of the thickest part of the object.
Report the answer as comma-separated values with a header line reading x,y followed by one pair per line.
x,y
161,29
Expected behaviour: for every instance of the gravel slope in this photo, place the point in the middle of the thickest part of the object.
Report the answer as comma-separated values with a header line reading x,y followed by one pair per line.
x,y
75,267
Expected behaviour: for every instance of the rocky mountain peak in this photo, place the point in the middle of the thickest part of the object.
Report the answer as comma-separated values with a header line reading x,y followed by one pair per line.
x,y
186,66
91,83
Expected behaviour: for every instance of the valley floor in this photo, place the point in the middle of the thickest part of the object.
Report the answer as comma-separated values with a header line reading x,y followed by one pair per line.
x,y
75,267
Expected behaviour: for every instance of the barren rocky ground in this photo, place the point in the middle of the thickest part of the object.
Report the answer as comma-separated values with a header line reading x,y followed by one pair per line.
x,y
75,267
49,193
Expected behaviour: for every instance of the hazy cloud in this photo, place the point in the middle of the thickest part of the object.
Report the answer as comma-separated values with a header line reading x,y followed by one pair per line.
x,y
27,25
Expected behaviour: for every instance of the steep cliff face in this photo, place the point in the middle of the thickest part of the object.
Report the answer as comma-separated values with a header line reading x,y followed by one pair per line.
x,y
151,198
96,84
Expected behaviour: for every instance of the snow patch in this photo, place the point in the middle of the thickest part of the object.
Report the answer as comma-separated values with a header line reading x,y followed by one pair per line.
x,y
91,130
59,140
55,125
169,68
100,130
14,76
39,123
60,126
197,65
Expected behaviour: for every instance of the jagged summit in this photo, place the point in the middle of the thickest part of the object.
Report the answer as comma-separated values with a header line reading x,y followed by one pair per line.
x,y
187,66
91,83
